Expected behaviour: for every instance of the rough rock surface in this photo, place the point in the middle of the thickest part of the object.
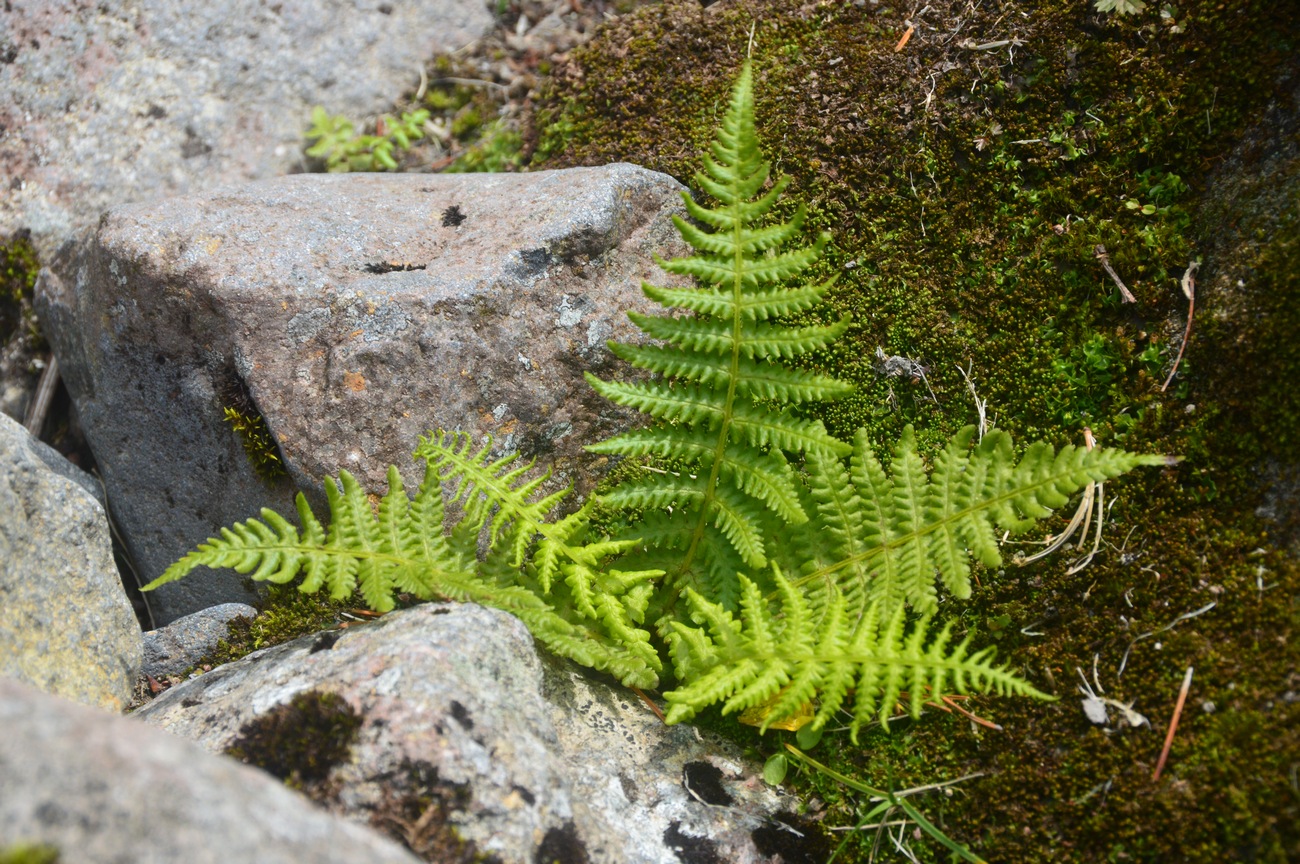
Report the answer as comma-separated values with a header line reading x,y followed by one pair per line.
x,y
356,312
66,625
116,791
117,100
456,706
172,649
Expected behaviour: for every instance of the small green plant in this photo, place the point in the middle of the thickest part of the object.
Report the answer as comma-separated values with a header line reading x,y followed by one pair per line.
x,y
1123,7
784,572
343,149
498,149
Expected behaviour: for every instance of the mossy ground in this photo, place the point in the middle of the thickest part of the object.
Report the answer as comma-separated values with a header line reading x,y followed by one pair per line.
x,y
967,178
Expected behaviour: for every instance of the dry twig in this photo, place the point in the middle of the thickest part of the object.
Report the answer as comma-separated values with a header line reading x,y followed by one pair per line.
x,y
1100,251
40,405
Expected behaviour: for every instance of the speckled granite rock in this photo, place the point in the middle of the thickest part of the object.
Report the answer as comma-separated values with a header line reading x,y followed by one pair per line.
x,y
355,313
112,790
525,756
125,100
66,625
172,649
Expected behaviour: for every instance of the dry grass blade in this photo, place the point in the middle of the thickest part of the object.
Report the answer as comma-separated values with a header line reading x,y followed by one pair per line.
x,y
1189,290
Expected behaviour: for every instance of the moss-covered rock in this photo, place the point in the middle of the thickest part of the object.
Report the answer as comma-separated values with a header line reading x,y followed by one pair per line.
x,y
968,172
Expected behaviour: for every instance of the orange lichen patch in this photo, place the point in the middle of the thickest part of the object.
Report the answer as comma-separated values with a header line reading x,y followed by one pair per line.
x,y
354,381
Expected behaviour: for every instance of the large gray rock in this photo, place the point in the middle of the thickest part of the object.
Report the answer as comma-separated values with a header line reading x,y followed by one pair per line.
x,y
66,625
116,791
286,290
124,100
455,707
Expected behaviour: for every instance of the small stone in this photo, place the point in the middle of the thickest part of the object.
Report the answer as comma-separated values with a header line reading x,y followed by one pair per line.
x,y
173,649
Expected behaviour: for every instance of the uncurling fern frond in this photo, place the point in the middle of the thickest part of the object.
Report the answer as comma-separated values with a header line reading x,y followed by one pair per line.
x,y
720,368
886,535
405,547
784,659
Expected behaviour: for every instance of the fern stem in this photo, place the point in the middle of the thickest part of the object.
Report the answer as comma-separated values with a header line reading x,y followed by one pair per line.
x,y
724,430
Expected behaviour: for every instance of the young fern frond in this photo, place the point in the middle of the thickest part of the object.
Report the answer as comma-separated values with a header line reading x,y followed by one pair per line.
x,y
405,547
787,658
884,536
719,370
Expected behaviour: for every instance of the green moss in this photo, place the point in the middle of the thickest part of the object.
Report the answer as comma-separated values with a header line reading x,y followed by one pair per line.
x,y
285,614
19,267
966,188
29,853
301,741
260,448
498,149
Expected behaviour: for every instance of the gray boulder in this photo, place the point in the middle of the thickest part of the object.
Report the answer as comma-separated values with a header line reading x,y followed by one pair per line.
x,y
115,791
511,756
114,101
354,313
172,649
66,625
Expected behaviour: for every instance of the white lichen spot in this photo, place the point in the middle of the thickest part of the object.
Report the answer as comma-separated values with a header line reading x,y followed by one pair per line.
x,y
567,315
597,333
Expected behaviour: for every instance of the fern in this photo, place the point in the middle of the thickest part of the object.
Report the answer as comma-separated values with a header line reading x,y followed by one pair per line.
x,y
403,547
868,546
785,661
719,367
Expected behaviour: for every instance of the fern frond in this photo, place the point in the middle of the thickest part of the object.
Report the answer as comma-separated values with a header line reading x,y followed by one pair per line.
x,y
895,530
403,546
791,656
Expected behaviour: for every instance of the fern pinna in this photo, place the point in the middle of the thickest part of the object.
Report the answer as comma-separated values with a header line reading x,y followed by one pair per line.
x,y
778,592
721,367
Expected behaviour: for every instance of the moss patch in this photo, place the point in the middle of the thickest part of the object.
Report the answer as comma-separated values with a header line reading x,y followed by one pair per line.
x,y
29,853
300,742
416,810
285,614
967,179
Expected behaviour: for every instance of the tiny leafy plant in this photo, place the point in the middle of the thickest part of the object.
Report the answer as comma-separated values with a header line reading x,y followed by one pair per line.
x,y
1123,7
343,149
774,570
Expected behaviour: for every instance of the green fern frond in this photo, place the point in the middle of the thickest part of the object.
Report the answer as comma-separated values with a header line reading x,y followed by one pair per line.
x,y
404,546
722,366
785,659
891,532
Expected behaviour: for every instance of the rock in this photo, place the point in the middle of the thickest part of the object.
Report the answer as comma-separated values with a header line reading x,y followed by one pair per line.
x,y
521,757
107,789
117,101
172,649
66,625
354,313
